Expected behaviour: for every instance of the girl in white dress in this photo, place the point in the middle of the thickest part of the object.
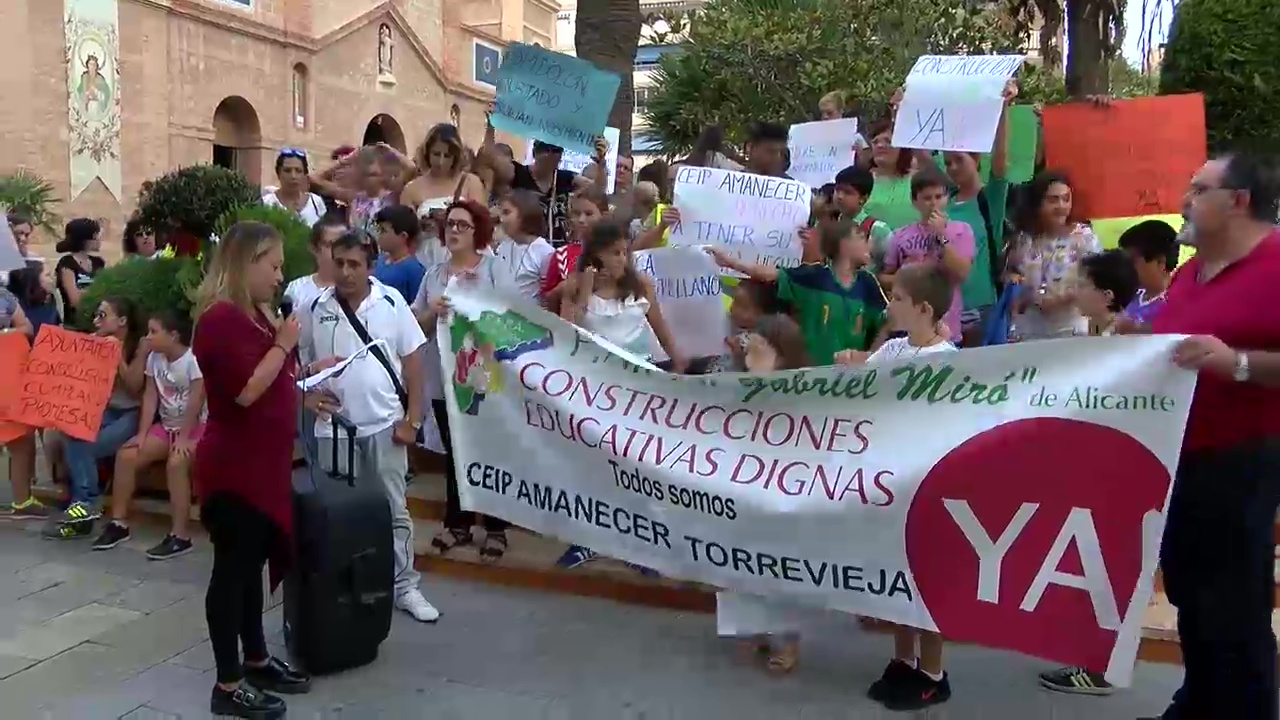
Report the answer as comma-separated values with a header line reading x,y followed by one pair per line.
x,y
524,253
769,627
608,297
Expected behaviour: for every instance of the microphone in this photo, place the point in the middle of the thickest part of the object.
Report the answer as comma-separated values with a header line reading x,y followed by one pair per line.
x,y
286,308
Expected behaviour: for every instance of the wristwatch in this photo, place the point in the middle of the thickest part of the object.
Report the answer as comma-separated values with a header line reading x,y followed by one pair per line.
x,y
1241,373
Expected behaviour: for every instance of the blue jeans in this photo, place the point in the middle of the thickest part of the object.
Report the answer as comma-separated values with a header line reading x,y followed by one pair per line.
x,y
82,456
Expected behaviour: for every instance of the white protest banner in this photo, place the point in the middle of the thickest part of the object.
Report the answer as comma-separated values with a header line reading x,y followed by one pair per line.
x,y
953,102
686,282
576,161
10,257
1009,496
755,217
821,149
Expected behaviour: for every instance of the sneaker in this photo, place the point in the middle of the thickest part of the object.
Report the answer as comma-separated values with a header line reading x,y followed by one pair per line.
x,y
278,676
246,701
576,556
67,531
890,680
78,512
1075,680
412,602
171,546
917,692
112,535
32,509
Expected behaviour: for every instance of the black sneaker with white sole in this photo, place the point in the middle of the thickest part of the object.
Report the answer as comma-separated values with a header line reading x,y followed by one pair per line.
x,y
170,547
1075,681
112,535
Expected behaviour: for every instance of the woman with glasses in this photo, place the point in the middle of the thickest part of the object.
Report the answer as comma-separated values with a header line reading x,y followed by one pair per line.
x,y
467,229
294,193
139,240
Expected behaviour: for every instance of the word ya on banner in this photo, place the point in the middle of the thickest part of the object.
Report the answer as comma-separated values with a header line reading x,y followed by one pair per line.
x,y
66,382
1134,157
552,97
755,217
821,149
686,284
577,162
953,102
818,486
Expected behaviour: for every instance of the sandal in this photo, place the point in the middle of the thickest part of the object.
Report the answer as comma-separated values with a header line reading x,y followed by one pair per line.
x,y
494,547
449,539
784,659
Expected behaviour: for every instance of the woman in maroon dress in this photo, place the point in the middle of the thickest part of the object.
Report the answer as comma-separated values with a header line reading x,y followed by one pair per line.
x,y
243,463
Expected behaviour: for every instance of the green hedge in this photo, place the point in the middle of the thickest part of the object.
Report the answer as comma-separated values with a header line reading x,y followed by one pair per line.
x,y
1226,50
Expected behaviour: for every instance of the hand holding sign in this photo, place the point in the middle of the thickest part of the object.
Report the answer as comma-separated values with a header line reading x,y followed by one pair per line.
x,y
66,382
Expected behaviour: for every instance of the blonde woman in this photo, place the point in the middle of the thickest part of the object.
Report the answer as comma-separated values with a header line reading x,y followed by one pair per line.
x,y
442,162
243,463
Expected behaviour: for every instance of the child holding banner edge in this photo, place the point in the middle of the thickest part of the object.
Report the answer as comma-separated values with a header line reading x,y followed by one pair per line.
x,y
838,304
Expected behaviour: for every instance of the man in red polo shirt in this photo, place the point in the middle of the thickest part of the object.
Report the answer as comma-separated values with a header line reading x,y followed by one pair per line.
x,y
1217,555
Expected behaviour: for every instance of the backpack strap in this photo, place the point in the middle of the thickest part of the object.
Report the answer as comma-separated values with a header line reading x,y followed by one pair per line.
x,y
867,224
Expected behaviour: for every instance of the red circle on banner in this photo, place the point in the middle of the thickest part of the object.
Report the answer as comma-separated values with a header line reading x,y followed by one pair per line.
x,y
1058,464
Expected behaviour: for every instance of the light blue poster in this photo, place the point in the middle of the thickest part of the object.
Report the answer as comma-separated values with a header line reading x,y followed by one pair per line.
x,y
555,98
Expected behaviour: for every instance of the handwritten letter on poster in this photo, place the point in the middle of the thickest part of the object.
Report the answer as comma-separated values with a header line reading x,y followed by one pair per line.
x,y
752,216
821,149
551,97
953,102
66,382
686,283
1134,157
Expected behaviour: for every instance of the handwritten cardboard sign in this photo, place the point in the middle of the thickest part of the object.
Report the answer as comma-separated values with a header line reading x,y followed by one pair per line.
x,y
13,357
576,161
1135,157
953,102
552,97
686,283
66,381
821,149
752,216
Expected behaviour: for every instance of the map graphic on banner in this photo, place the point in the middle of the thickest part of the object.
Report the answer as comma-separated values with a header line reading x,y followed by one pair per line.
x,y
555,98
820,487
953,102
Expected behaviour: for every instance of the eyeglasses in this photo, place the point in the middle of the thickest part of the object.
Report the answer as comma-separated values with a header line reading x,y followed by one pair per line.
x,y
459,225
291,152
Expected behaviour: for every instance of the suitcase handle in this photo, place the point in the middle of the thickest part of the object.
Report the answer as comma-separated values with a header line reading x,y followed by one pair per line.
x,y
349,429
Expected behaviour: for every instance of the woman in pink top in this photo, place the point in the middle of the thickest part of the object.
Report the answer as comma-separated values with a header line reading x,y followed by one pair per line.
x,y
933,238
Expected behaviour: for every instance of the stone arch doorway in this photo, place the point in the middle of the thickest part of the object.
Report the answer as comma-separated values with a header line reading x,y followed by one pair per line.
x,y
237,137
384,129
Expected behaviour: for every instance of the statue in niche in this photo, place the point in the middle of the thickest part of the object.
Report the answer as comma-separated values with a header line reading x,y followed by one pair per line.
x,y
386,53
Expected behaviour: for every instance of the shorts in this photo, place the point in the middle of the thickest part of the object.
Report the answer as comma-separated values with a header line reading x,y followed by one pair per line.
x,y
159,432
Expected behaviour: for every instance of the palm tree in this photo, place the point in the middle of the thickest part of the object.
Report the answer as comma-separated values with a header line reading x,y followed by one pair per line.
x,y
607,33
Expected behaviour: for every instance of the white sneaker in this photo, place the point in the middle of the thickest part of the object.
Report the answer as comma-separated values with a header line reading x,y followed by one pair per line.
x,y
412,602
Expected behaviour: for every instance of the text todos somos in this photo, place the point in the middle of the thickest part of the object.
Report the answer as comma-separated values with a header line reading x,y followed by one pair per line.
x,y
752,216
552,97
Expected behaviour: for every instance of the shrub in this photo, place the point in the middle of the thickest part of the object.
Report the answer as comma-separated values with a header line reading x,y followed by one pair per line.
x,y
297,235
26,192
154,284
190,200
1225,49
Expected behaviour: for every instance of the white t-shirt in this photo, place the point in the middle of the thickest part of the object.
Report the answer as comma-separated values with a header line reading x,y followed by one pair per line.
x,y
900,348
303,291
364,390
523,265
311,212
173,386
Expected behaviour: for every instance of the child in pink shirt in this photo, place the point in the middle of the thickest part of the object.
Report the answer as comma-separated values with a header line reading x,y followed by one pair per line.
x,y
934,239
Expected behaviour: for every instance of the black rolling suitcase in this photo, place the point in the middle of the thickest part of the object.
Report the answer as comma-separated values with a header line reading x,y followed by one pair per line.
x,y
338,597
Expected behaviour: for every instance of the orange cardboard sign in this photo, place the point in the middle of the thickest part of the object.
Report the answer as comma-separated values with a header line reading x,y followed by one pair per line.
x,y
13,357
66,382
1135,157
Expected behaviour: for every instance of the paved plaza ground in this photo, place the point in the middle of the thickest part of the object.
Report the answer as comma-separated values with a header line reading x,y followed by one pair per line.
x,y
100,636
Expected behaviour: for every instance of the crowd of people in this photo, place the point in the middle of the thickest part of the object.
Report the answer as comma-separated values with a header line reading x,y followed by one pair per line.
x,y
907,253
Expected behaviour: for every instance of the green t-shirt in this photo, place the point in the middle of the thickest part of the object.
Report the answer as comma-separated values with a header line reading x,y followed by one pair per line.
x,y
890,201
833,317
977,289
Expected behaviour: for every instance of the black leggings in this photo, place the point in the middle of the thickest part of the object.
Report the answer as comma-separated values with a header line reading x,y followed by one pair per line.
x,y
242,538
454,517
